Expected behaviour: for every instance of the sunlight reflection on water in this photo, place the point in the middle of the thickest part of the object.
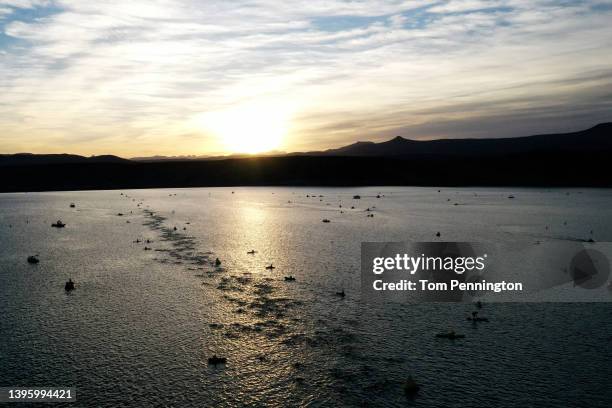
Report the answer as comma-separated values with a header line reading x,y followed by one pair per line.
x,y
142,324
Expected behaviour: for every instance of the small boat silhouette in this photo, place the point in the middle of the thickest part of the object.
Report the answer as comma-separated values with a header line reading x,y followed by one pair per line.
x,y
341,294
475,318
58,224
356,197
411,388
289,278
450,335
69,285
72,205
33,259
217,262
214,360
326,220
270,266
251,252
478,319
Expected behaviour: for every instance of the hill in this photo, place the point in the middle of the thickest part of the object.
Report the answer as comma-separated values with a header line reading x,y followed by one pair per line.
x,y
29,159
571,159
590,140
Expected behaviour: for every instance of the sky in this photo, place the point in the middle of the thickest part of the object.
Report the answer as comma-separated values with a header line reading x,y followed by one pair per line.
x,y
160,77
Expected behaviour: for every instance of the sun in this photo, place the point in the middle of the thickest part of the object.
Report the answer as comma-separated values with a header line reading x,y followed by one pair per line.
x,y
255,128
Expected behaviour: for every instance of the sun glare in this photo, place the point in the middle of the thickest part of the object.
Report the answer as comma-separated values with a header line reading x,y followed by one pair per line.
x,y
249,129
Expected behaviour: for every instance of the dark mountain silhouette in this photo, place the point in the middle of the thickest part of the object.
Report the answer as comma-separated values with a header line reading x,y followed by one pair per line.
x,y
570,159
29,159
204,157
590,140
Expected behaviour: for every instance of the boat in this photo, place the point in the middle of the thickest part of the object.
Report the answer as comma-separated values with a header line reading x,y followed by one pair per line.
x,y
69,285
252,252
33,259
478,319
214,360
217,262
356,197
289,278
120,214
270,266
450,335
58,224
326,220
411,387
72,205
341,294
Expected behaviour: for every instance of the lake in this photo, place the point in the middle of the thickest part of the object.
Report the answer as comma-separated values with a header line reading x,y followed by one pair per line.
x,y
141,324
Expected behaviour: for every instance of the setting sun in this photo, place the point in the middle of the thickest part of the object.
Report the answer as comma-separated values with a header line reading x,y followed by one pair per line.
x,y
249,129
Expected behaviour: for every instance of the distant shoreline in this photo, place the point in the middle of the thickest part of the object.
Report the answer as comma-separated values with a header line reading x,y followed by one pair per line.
x,y
521,170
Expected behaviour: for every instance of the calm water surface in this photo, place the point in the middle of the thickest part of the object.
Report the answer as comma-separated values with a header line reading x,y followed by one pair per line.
x,y
142,323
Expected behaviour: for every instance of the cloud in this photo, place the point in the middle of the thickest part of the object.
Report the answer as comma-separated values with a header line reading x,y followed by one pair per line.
x,y
462,6
130,77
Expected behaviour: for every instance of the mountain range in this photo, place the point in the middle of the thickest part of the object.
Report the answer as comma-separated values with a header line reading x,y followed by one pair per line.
x,y
589,140
594,140
569,159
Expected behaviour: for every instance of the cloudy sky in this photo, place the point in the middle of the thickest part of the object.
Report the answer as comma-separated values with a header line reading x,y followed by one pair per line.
x,y
149,77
